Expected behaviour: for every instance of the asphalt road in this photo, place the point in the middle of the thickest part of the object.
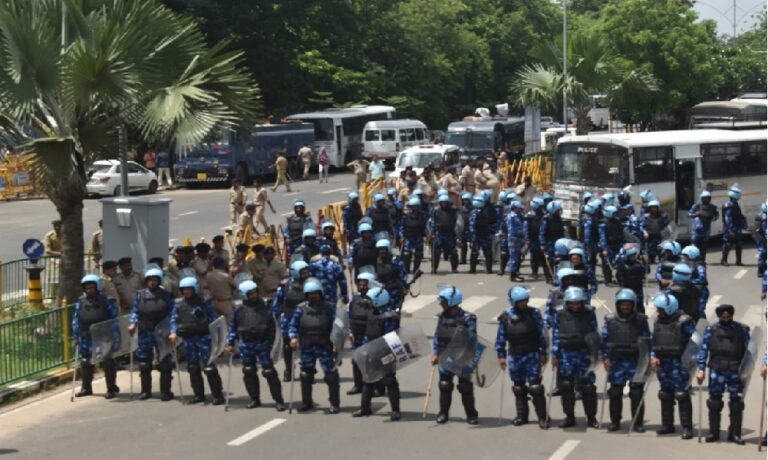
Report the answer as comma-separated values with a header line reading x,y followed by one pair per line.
x,y
194,213
52,427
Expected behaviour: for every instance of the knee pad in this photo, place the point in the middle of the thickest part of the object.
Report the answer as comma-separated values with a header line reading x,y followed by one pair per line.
x,y
108,364
536,389
635,391
165,366
250,371
332,378
588,388
681,395
715,403
209,370
446,385
615,391
389,380
145,367
268,373
193,368
666,395
465,386
307,376
736,405
519,390
566,384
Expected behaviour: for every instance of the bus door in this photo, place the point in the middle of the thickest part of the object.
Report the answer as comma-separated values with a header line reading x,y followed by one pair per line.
x,y
342,153
685,185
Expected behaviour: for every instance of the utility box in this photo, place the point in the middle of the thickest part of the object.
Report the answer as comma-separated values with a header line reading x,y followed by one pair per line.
x,y
135,227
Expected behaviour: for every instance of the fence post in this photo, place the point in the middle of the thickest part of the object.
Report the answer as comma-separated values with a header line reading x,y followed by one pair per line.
x,y
1,282
35,286
65,334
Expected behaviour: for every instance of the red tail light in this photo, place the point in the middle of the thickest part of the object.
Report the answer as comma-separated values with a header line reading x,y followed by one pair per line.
x,y
104,179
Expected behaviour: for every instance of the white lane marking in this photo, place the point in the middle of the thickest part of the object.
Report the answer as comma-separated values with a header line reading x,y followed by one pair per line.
x,y
480,283
188,213
414,305
477,302
565,449
739,274
600,303
259,430
32,404
714,300
172,240
291,193
335,190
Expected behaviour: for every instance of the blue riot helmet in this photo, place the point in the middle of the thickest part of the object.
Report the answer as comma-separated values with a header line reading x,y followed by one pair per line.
x,y
327,224
625,295
418,192
589,209
313,285
298,203
466,196
536,203
554,207
378,197
392,191
451,295
309,233
516,294
384,244
352,196
691,252
190,282
562,274
625,197
91,279
676,248
630,249
666,302
705,194
654,204
246,287
574,294
364,227
154,273
547,197
414,201
734,193
646,196
443,199
586,197
379,296
578,252
486,194
368,276
608,198
681,272
561,247
502,196
297,267
478,202
609,211
517,205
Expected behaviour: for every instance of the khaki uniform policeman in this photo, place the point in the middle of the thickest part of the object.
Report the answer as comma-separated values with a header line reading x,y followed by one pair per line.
x,y
281,166
305,154
97,245
109,271
261,200
52,240
127,283
237,198
221,286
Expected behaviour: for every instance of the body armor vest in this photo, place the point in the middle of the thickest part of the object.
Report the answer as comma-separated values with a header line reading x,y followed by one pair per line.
x,y
315,325
152,308
623,334
522,333
192,317
726,347
92,311
359,308
573,327
668,340
254,322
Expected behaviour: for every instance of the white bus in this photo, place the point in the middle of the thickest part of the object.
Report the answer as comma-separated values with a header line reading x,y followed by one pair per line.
x,y
385,139
340,131
675,165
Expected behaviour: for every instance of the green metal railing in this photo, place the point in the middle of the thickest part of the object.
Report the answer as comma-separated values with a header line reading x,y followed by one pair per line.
x,y
35,344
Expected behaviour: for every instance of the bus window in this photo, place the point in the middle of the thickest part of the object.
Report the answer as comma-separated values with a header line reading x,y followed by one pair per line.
x,y
721,160
387,135
596,165
372,135
420,134
653,164
755,158
407,135
323,128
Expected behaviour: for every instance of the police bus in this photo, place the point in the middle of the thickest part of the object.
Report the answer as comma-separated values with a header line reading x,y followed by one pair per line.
x,y
675,165
478,136
340,130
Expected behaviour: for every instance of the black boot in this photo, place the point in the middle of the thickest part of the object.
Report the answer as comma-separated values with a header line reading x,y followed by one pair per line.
x,y
251,381
488,262
539,404
607,272
86,373
463,254
435,259
685,410
417,258
365,401
196,381
307,379
503,260
473,263
406,259
568,400
455,262
357,379
635,401
166,378
724,258
275,389
738,257
615,407
736,408
334,390
145,377
667,400
110,375
521,404
393,392
715,406
287,359
589,401
467,392
214,382
446,393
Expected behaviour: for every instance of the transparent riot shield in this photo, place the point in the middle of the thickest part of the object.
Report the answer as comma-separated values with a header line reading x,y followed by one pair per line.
x,y
593,346
669,232
459,228
277,344
643,360
751,357
484,366
391,352
691,352
339,334
459,352
164,346
110,339
218,331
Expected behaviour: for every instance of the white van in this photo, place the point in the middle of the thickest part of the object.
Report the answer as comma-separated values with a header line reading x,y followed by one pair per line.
x,y
420,156
386,138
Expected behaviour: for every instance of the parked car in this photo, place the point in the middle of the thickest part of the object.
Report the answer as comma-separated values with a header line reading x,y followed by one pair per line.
x,y
547,122
104,178
422,155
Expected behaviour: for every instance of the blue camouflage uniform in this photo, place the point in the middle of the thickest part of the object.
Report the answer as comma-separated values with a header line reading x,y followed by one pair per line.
x,y
721,380
252,350
85,344
515,240
446,240
307,250
397,213
622,368
532,222
699,279
350,219
573,363
673,376
652,243
554,302
196,348
760,242
734,223
312,353
147,344
591,238
295,243
395,290
470,323
331,275
413,238
701,227
333,244
522,367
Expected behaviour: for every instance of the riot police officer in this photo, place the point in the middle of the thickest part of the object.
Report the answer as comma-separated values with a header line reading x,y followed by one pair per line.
x,y
328,239
310,328
725,344
395,208
521,330
309,247
670,256
759,235
532,227
630,274
295,225
93,307
621,334
357,312
450,319
672,331
651,225
482,221
287,298
253,326
363,251
734,223
390,272
442,226
379,321
573,333
414,231
351,214
551,230
686,293
379,215
466,236
611,238
585,277
692,256
190,319
515,240
703,214
153,304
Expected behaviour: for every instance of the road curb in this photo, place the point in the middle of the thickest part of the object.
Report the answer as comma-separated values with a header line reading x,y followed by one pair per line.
x,y
18,391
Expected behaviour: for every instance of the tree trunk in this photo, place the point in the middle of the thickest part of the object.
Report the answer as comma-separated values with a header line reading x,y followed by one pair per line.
x,y
71,267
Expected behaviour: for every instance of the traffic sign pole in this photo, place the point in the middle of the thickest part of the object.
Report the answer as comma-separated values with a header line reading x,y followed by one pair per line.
x,y
34,249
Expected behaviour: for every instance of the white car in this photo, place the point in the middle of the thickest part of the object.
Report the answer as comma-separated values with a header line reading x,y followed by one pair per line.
x,y
422,155
104,178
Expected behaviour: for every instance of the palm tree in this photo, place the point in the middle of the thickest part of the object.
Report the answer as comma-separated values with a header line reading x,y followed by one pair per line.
x,y
73,71
592,69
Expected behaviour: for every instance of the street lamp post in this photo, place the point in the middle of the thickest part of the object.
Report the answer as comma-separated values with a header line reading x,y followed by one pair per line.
x,y
565,64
